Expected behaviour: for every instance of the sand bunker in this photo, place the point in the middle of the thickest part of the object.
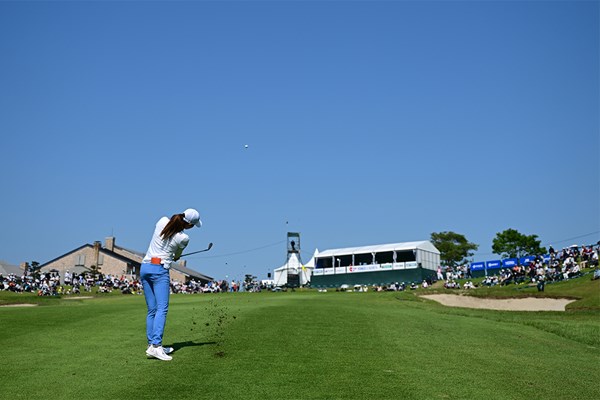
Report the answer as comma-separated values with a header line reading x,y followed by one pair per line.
x,y
522,304
18,305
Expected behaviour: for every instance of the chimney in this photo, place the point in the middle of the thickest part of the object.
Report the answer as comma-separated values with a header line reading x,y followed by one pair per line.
x,y
182,263
109,243
97,245
24,266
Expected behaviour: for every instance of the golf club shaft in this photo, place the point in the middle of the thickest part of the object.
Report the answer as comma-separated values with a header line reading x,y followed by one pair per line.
x,y
199,251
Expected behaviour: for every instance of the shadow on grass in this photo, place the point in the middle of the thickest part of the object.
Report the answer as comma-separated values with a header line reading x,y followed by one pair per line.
x,y
189,343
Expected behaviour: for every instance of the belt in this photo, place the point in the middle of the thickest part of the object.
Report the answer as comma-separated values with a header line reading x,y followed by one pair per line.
x,y
156,261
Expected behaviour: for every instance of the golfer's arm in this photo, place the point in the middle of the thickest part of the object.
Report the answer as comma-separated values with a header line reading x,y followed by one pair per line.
x,y
178,253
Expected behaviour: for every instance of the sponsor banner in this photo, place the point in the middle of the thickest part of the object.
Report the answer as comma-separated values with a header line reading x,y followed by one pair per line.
x,y
478,266
411,264
510,262
364,268
527,260
398,265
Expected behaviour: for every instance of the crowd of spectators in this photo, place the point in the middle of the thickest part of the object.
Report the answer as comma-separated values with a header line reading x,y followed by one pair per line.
x,y
49,284
193,286
559,266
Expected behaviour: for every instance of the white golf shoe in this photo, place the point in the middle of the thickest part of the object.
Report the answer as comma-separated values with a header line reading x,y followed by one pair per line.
x,y
158,352
168,350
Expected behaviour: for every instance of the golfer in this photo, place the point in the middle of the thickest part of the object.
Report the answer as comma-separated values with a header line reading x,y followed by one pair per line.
x,y
166,246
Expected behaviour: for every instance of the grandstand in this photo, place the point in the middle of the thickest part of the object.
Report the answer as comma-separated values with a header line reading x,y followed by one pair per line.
x,y
375,265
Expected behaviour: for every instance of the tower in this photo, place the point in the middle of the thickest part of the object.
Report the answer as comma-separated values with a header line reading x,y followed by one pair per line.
x,y
294,263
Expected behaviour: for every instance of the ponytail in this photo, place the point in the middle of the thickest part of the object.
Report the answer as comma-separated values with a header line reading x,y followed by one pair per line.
x,y
175,225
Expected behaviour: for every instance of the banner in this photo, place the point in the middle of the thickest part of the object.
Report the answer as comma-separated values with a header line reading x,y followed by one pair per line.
x,y
527,260
364,268
399,265
510,262
478,266
494,264
351,269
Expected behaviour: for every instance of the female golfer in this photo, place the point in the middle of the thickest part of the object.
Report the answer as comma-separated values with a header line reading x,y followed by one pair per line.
x,y
166,246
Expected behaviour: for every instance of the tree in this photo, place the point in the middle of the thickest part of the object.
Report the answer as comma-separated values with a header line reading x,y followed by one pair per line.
x,y
33,269
513,244
454,248
95,271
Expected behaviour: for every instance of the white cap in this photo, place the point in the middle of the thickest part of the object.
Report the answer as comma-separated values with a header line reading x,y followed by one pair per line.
x,y
192,217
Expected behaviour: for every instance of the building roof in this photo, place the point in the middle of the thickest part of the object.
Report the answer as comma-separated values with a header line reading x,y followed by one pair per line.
x,y
102,250
190,272
424,245
6,268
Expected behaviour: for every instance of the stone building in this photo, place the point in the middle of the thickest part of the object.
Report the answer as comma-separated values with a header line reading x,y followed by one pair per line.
x,y
114,260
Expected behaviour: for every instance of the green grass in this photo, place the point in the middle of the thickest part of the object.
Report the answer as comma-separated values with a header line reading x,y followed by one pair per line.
x,y
301,345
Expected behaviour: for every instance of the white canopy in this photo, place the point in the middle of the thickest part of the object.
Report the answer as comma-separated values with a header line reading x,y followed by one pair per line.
x,y
294,266
423,245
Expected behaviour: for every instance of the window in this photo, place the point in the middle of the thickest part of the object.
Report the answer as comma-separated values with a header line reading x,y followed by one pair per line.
x,y
344,261
325,262
386,257
80,260
362,259
405,255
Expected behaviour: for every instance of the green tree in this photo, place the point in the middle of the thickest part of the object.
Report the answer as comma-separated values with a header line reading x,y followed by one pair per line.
x,y
513,244
33,269
96,271
454,248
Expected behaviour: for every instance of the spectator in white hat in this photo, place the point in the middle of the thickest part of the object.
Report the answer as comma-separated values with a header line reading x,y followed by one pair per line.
x,y
166,246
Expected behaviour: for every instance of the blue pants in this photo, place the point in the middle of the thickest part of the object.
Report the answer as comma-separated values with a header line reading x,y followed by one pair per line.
x,y
156,281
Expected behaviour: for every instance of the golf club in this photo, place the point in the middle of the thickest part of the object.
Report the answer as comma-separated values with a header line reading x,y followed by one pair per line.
x,y
199,251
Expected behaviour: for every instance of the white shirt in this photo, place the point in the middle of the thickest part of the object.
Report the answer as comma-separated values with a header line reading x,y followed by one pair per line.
x,y
165,249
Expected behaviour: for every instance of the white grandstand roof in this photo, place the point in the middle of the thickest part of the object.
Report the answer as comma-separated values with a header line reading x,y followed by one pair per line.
x,y
379,248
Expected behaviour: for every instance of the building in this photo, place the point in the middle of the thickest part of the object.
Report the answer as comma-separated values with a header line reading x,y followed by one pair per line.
x,y
114,260
8,269
375,265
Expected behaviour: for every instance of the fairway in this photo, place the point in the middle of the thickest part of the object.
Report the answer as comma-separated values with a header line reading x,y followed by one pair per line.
x,y
300,345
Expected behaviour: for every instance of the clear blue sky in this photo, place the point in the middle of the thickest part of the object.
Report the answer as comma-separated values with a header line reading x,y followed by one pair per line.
x,y
367,123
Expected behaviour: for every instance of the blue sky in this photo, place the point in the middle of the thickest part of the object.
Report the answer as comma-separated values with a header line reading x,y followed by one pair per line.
x,y
367,123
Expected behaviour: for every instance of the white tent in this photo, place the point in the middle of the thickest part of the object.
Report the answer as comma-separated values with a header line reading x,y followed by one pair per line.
x,y
295,267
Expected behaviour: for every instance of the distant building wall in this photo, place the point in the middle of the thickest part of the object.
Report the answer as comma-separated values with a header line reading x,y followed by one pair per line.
x,y
82,260
178,276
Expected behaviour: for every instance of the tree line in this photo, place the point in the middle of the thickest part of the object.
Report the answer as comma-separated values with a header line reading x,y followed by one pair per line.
x,y
455,249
